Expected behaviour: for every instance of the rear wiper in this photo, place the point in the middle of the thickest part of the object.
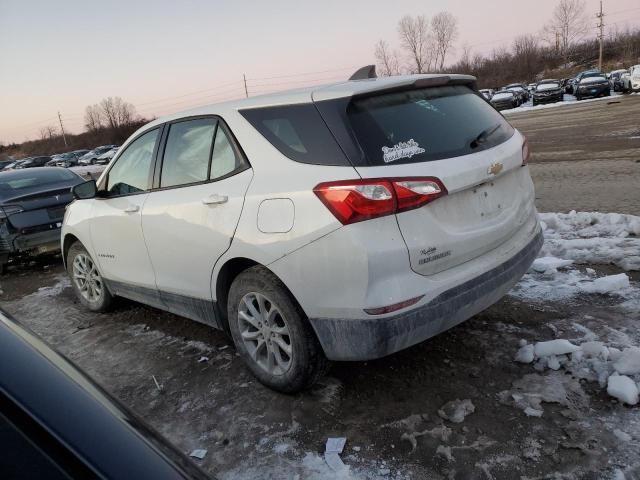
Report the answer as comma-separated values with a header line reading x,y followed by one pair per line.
x,y
483,135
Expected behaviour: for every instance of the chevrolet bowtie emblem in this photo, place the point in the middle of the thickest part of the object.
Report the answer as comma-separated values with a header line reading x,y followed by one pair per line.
x,y
495,168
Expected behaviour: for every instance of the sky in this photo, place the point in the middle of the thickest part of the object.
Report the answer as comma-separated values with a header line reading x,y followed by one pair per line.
x,y
165,56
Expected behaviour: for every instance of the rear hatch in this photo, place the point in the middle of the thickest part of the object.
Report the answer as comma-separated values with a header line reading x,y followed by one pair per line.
x,y
34,199
451,133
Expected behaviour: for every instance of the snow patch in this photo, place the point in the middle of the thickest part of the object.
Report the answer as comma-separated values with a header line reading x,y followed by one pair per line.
x,y
456,410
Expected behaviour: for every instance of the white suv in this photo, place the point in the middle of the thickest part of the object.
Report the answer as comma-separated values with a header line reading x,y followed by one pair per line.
x,y
343,222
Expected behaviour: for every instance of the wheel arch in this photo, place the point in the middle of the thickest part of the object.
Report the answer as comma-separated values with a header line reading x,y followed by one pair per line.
x,y
225,276
69,239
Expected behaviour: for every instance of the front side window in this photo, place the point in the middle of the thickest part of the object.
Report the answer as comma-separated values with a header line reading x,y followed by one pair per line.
x,y
186,156
130,174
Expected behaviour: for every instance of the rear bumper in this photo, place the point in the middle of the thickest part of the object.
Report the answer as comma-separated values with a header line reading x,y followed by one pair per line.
x,y
549,99
44,241
598,92
369,338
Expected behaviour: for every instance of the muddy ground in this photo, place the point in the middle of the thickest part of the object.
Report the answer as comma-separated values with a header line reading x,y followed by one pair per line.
x,y
387,409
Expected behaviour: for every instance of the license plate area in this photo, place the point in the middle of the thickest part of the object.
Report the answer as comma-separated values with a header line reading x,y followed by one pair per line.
x,y
55,213
489,204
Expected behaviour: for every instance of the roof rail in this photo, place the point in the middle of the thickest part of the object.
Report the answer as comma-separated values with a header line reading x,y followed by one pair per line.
x,y
365,72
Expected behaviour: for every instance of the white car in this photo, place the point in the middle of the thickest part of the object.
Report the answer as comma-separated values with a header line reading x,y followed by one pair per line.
x,y
342,222
631,82
107,156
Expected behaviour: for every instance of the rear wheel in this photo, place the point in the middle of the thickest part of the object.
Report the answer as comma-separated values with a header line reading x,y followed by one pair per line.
x,y
86,280
272,334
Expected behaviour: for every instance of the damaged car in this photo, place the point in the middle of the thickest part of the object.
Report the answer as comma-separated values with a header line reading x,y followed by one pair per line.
x,y
32,204
335,223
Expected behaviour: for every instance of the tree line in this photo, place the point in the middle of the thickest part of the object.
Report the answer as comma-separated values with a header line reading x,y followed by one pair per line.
x,y
111,121
560,49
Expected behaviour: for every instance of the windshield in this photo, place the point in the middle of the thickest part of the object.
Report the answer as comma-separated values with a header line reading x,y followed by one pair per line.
x,y
502,96
548,86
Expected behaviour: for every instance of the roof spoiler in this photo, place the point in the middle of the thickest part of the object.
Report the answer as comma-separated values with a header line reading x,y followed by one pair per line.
x,y
439,81
364,73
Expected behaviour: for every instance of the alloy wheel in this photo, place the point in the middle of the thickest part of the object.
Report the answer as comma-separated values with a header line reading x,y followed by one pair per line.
x,y
87,278
265,333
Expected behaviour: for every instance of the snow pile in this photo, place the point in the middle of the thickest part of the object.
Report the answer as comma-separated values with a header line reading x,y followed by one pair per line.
x,y
554,285
568,100
618,370
623,388
593,238
585,238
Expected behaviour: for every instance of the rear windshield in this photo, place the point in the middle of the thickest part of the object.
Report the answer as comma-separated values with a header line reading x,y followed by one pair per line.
x,y
13,182
425,124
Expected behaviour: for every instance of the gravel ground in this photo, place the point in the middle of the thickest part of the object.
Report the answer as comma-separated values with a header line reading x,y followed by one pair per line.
x,y
387,409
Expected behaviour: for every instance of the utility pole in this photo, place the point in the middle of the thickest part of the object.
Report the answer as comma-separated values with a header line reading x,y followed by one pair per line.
x,y
246,92
62,130
600,16
557,42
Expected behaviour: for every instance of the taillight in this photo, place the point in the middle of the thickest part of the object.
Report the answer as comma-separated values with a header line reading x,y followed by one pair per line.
x,y
353,201
526,152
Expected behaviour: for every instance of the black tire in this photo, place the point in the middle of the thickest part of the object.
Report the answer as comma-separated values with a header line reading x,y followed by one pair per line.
x,y
307,363
93,161
102,302
533,103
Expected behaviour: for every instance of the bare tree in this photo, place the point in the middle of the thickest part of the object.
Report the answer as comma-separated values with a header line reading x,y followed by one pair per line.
x,y
387,60
117,113
414,38
526,56
93,117
569,22
48,132
445,31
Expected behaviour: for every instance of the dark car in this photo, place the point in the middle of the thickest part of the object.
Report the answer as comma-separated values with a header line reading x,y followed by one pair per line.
x,y
56,423
570,85
504,100
32,203
548,91
70,159
34,162
522,86
592,85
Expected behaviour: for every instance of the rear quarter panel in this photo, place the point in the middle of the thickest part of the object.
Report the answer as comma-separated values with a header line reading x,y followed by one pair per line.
x,y
277,177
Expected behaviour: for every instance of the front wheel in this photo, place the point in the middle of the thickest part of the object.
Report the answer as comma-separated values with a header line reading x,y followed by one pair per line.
x,y
272,334
86,280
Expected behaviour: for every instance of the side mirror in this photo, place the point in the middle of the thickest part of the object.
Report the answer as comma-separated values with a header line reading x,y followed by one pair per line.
x,y
85,190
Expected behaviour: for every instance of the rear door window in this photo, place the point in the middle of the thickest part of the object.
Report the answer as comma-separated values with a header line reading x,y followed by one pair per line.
x,y
425,124
186,156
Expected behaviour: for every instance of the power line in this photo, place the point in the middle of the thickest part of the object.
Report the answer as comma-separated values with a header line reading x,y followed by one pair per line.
x,y
303,74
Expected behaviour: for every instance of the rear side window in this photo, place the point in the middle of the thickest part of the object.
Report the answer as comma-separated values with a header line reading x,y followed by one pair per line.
x,y
298,131
425,124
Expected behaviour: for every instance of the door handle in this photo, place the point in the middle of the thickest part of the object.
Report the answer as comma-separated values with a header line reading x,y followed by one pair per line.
x,y
215,199
132,209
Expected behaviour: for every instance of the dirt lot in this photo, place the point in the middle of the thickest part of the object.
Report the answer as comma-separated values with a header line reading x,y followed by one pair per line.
x,y
585,156
388,409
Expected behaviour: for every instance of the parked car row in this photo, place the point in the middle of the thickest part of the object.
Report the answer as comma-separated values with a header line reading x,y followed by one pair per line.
x,y
99,155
